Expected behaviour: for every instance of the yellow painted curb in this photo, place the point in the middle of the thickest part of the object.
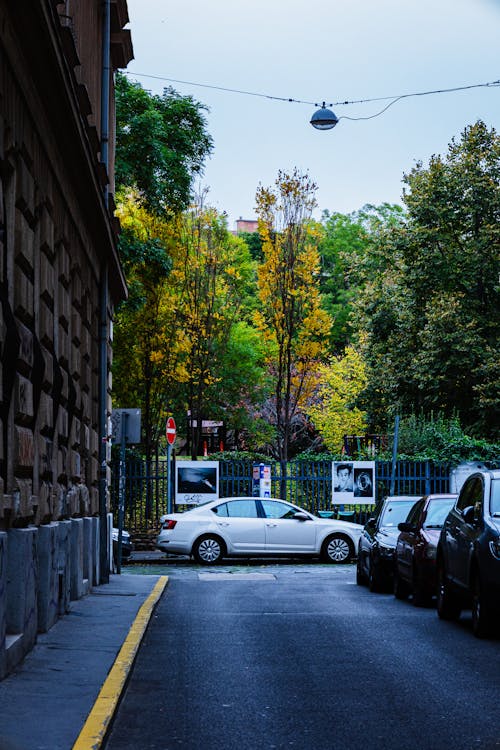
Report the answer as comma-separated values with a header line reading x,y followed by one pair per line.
x,y
94,730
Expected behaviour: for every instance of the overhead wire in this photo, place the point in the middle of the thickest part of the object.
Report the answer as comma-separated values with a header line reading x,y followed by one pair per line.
x,y
393,99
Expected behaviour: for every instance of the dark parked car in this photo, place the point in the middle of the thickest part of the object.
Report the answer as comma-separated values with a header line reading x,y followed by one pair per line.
x,y
468,554
416,547
377,543
127,546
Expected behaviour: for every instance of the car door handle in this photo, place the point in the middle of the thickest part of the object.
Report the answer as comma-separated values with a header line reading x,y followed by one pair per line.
x,y
223,523
272,525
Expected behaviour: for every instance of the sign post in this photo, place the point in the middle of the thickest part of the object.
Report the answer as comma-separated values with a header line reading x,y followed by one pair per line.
x,y
171,432
126,426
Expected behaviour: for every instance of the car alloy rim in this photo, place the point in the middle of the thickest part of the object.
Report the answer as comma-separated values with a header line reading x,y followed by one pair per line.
x,y
209,550
338,550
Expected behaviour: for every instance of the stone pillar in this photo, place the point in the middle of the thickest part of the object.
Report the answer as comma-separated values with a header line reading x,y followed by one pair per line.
x,y
96,543
22,617
88,551
48,576
64,565
3,603
76,555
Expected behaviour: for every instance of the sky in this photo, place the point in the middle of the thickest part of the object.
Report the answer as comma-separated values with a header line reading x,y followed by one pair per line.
x,y
315,51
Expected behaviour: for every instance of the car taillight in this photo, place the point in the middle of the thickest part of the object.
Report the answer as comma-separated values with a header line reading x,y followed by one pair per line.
x,y
169,524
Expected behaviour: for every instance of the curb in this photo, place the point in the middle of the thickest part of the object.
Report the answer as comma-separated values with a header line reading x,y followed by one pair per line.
x,y
94,730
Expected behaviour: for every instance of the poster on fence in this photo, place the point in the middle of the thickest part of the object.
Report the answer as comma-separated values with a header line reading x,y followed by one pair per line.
x,y
353,482
196,482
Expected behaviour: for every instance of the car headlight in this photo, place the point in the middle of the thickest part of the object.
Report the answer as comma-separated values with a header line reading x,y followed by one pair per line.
x,y
495,548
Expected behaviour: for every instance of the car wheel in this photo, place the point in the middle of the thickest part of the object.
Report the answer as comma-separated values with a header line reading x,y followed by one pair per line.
x,y
482,619
337,549
448,606
401,588
209,550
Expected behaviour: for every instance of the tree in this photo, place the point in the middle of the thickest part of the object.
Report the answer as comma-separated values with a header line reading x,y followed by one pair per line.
x,y
294,325
211,276
161,145
335,413
432,310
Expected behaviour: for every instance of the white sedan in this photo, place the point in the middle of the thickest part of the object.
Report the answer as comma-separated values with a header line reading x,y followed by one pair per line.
x,y
256,527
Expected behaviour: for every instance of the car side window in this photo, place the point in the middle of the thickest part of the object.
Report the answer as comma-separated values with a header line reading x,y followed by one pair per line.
x,y
277,510
242,509
466,494
220,510
415,513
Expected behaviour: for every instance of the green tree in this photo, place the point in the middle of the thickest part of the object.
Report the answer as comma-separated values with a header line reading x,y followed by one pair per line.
x,y
432,309
294,325
162,144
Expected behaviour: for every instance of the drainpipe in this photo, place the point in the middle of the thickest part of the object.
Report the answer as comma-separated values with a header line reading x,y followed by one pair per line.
x,y
104,561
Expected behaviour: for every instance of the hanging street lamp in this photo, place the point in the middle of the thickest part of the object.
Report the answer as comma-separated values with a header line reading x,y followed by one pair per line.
x,y
324,119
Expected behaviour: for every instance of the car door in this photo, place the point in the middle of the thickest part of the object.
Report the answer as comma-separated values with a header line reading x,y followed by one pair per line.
x,y
284,533
240,525
459,534
407,541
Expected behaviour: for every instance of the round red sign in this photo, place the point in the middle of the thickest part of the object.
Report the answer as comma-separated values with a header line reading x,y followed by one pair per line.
x,y
171,430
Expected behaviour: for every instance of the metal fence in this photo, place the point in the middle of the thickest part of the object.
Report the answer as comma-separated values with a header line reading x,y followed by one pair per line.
x,y
305,483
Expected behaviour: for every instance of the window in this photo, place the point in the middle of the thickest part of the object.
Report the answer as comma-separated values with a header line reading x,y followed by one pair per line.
x,y
278,510
495,497
471,493
396,512
437,510
237,509
414,515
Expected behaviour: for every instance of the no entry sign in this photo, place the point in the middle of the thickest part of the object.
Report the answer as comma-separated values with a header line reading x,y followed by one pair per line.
x,y
171,430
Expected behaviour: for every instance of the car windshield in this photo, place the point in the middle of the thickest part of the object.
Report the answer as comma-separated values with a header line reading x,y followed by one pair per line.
x,y
495,498
437,510
396,511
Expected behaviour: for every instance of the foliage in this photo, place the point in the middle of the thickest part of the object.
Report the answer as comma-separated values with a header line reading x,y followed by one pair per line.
x,y
211,275
345,248
239,456
335,413
161,145
430,300
442,439
291,319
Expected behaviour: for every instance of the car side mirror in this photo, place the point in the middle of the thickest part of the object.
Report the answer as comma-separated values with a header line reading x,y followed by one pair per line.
x,y
371,523
301,516
468,514
408,527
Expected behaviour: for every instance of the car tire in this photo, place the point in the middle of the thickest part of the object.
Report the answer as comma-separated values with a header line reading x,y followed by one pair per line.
x,y
448,605
482,616
337,549
209,550
401,588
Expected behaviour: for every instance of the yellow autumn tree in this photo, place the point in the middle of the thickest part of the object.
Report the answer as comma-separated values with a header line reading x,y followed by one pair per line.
x,y
291,318
210,273
335,414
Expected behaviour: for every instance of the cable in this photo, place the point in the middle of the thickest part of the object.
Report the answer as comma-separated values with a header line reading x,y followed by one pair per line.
x,y
315,104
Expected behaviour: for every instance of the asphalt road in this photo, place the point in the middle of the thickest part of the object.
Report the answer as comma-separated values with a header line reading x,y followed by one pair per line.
x,y
298,657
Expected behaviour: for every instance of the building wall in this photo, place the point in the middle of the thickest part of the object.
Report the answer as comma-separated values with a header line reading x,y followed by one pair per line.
x,y
56,238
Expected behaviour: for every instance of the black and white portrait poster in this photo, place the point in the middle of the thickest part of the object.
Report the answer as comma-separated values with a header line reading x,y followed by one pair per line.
x,y
353,482
196,482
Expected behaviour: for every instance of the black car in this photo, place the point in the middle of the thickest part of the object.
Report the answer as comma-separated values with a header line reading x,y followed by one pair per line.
x,y
378,542
468,554
127,546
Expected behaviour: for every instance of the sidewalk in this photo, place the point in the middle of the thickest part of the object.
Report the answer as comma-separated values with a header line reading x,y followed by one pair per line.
x,y
45,703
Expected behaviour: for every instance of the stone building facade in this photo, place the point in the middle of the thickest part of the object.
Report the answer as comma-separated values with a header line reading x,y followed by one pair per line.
x,y
60,278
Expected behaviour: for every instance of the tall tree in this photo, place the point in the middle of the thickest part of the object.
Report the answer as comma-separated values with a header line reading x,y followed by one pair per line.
x,y
162,143
432,312
211,277
291,317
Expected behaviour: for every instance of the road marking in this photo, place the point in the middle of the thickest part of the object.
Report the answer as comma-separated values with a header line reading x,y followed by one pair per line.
x,y
236,576
94,730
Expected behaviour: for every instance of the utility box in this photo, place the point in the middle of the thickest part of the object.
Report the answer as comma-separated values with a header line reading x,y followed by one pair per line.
x,y
459,474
